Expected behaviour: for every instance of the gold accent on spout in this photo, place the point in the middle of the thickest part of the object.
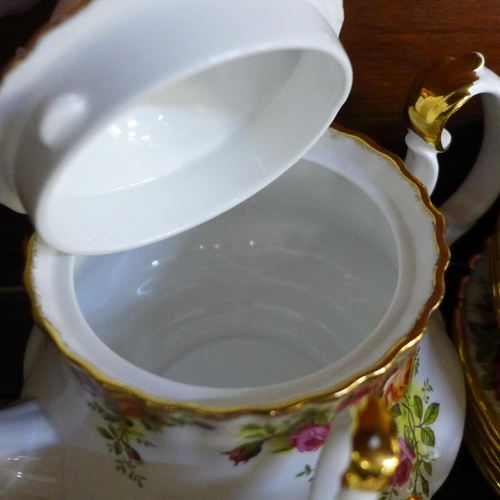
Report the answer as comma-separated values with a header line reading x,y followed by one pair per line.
x,y
440,91
375,454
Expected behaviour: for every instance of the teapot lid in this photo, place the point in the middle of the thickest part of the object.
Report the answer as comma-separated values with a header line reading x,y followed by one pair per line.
x,y
121,128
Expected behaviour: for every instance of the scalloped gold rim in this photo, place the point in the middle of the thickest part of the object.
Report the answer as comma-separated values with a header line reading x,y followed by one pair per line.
x,y
327,396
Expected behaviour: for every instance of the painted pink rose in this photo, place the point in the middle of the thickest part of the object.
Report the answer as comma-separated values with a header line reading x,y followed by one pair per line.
x,y
403,470
309,438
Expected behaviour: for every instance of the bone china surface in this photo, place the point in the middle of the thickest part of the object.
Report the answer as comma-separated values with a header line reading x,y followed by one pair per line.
x,y
247,342
257,247
400,325
178,123
60,459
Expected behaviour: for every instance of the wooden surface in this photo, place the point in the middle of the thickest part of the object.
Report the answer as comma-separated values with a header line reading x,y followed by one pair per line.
x,y
388,42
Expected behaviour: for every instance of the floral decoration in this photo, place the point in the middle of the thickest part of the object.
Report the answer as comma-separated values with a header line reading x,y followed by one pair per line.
x,y
414,414
309,438
304,432
127,422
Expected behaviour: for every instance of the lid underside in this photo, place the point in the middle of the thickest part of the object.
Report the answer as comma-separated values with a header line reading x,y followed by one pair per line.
x,y
135,141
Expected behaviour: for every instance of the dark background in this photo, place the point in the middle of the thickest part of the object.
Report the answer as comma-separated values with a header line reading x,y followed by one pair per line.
x,y
389,42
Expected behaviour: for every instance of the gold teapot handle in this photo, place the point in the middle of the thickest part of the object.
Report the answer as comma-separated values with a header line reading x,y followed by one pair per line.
x,y
435,96
439,92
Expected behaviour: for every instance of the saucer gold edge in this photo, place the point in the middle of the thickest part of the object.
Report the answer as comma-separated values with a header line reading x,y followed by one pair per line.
x,y
484,424
475,391
491,474
482,432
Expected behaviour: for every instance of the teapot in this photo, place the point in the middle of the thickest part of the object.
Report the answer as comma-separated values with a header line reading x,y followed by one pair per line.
x,y
183,294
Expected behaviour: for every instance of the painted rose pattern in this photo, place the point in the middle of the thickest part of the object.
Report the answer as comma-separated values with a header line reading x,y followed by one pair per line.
x,y
243,453
305,432
396,386
414,413
129,426
406,458
309,438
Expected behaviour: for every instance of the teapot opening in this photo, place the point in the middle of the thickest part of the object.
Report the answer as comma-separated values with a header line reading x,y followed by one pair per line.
x,y
282,285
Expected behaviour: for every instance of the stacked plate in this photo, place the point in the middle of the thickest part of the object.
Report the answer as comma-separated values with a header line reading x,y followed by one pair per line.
x,y
477,335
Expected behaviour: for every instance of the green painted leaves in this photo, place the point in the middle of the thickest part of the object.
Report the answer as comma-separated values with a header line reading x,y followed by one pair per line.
x,y
304,432
428,437
126,426
414,416
431,413
418,406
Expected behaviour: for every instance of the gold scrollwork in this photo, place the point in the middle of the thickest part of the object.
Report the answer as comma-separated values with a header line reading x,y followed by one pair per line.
x,y
440,91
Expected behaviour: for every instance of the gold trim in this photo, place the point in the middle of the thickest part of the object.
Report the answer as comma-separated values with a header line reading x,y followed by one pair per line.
x,y
375,455
479,414
440,91
327,396
484,458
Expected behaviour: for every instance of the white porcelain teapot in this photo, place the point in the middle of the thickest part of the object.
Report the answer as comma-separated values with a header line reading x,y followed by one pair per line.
x,y
214,355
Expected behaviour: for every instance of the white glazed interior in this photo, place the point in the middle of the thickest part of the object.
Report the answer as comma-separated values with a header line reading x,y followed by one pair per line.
x,y
293,243
282,285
